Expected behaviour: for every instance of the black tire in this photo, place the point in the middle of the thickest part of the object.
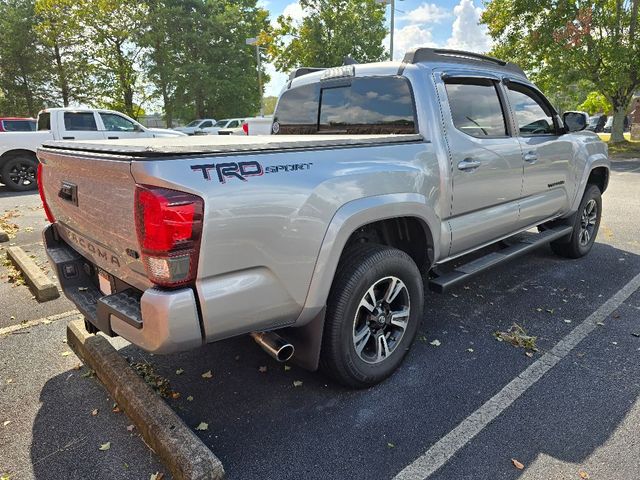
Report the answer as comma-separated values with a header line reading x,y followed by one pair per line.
x,y
19,173
364,268
575,246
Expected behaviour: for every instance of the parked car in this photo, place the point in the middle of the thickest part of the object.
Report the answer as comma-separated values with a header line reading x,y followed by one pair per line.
x,y
225,124
316,239
193,127
625,128
18,160
258,125
596,123
17,124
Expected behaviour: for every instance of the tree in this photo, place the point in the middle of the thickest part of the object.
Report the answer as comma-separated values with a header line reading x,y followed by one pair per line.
x,y
111,28
330,31
270,105
573,40
23,66
61,36
595,103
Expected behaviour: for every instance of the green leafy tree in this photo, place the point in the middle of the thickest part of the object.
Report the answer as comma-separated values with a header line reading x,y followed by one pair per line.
x,y
23,63
270,105
595,103
61,36
564,42
111,28
329,31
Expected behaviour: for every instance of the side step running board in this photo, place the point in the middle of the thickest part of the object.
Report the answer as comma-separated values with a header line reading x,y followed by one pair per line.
x,y
464,272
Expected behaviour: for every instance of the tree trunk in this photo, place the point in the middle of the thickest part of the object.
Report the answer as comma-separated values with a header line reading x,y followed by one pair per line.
x,y
64,84
617,129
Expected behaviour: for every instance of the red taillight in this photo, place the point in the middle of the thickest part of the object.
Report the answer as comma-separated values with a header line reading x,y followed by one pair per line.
x,y
47,211
169,227
245,128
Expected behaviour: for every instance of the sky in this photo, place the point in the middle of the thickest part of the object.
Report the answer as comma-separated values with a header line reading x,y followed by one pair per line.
x,y
444,24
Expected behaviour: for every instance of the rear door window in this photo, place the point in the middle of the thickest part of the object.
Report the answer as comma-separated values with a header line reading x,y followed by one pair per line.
x,y
476,108
367,105
80,121
19,125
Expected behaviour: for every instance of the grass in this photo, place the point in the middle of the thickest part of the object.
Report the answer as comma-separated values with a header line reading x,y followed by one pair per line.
x,y
628,149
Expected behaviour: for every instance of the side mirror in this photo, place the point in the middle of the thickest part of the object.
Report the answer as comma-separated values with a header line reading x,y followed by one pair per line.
x,y
575,121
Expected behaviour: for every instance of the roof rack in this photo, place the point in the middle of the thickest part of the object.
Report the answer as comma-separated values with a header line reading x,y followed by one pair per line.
x,y
298,72
459,56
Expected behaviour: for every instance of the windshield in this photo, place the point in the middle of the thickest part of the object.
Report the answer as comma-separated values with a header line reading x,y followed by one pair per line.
x,y
222,123
195,123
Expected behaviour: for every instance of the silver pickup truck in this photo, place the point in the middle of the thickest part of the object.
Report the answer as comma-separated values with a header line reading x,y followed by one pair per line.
x,y
316,239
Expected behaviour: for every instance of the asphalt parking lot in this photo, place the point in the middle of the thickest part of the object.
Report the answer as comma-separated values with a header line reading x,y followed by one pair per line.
x,y
464,406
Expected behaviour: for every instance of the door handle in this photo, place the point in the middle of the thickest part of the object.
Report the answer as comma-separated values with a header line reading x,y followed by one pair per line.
x,y
113,138
531,157
468,164
68,138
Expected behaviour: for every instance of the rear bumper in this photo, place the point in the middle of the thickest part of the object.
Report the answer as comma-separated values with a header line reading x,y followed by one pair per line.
x,y
159,321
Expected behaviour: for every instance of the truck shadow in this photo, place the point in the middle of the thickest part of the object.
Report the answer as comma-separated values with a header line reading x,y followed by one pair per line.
x,y
265,424
6,192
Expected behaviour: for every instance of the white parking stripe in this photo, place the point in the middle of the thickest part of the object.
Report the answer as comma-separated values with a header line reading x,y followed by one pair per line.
x,y
33,323
436,456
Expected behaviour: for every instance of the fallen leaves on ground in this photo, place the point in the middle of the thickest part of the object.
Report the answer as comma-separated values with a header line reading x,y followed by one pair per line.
x,y
116,408
65,354
584,475
287,368
262,369
175,395
155,381
517,464
105,446
203,426
435,343
6,422
518,337
297,383
189,398
89,373
179,371
94,412
207,374
157,476
14,275
10,228
130,428
391,445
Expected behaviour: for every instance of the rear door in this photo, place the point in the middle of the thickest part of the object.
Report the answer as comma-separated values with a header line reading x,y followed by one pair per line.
x,y
546,151
78,125
486,160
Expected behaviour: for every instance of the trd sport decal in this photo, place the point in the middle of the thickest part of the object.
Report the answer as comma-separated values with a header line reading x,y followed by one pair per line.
x,y
243,170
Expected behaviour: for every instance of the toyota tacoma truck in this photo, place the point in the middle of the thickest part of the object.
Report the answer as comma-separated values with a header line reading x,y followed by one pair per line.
x,y
316,240
18,162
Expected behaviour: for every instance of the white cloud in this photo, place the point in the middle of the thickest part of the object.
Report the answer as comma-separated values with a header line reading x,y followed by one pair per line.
x,y
410,37
278,80
466,32
426,13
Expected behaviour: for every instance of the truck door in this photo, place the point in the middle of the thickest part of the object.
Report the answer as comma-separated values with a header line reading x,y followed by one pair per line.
x,y
78,125
486,161
546,152
117,126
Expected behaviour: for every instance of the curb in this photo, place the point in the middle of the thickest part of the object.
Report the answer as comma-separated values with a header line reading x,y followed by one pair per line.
x,y
183,453
44,289
4,237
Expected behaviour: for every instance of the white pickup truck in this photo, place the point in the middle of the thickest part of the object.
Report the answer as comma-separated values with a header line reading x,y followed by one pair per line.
x,y
18,149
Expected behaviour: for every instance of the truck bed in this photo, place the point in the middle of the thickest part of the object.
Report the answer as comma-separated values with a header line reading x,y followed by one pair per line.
x,y
224,145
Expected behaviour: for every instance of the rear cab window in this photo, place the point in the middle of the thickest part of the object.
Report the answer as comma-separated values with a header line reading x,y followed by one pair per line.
x,y
362,105
44,121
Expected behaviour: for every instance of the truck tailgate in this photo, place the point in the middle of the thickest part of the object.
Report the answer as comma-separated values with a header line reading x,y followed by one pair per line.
x,y
92,200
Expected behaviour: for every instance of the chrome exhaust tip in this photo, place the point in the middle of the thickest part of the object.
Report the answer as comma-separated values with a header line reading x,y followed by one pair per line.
x,y
274,345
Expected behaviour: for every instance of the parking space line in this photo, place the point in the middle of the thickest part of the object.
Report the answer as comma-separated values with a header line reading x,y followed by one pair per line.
x,y
33,323
438,454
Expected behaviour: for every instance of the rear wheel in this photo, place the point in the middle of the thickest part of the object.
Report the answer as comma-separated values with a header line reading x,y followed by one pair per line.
x,y
19,173
586,222
373,312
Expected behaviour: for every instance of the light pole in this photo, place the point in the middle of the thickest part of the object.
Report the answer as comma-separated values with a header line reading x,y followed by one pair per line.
x,y
254,41
392,28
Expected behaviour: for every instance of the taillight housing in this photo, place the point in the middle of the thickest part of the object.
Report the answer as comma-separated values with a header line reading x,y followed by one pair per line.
x,y
47,211
245,128
169,228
